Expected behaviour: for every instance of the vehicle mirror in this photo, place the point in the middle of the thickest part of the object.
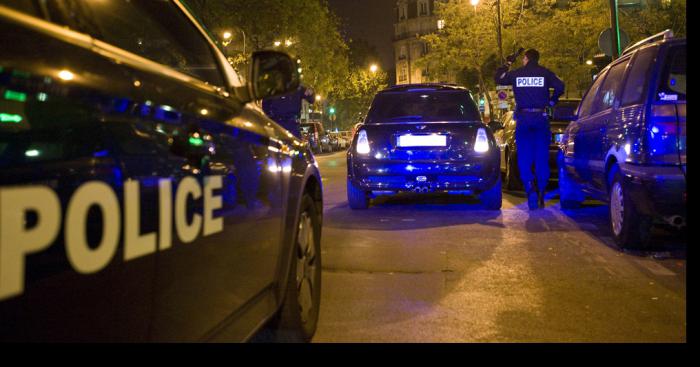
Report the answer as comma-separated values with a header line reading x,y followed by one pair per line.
x,y
272,74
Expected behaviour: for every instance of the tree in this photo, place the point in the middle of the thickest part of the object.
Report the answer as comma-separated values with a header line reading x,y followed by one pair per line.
x,y
309,26
466,43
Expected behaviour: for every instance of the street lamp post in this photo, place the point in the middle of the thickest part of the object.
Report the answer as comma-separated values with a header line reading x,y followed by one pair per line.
x,y
228,38
500,26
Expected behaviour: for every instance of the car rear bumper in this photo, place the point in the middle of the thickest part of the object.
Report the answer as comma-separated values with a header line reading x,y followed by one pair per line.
x,y
657,191
468,177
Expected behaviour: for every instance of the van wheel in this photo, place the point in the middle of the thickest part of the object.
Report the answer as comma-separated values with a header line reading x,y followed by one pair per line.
x,y
492,199
298,316
570,194
630,228
512,175
357,198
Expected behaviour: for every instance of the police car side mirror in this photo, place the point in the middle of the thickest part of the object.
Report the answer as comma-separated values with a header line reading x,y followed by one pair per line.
x,y
271,74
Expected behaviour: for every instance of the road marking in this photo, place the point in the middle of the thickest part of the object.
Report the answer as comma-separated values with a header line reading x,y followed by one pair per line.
x,y
655,268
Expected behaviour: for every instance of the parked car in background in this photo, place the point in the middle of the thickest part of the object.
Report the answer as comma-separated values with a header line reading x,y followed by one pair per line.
x,y
339,141
504,131
144,196
628,145
424,138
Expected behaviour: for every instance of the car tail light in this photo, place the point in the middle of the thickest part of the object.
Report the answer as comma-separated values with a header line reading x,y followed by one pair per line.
x,y
481,145
362,142
665,134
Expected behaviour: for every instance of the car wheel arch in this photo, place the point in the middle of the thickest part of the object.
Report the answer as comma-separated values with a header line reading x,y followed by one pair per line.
x,y
312,185
610,163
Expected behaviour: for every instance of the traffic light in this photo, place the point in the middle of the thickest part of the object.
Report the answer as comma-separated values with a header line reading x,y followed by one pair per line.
x,y
332,110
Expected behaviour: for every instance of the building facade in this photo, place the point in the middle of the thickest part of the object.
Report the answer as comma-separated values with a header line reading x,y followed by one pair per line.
x,y
414,18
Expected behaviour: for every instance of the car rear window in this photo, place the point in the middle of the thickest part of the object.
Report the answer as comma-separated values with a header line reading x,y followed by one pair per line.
x,y
565,111
426,105
672,84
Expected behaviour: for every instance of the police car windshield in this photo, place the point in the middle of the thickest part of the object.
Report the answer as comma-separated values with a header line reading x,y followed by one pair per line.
x,y
423,105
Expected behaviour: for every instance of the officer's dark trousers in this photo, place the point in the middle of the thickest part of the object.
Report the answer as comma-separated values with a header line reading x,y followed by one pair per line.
x,y
532,139
291,124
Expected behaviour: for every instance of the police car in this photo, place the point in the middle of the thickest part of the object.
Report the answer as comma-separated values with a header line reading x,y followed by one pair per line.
x,y
423,138
628,144
143,195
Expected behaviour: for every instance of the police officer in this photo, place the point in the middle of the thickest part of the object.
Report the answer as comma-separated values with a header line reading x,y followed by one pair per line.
x,y
531,85
286,109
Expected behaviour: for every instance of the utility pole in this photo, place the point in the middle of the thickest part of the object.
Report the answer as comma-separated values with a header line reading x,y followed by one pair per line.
x,y
500,41
615,26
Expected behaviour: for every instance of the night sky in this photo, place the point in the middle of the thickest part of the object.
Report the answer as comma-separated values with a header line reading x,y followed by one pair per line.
x,y
372,20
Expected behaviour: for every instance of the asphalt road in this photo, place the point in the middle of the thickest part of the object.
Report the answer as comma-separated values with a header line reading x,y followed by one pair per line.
x,y
439,269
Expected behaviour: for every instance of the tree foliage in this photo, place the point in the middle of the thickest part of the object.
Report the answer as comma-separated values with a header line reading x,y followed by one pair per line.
x,y
565,33
309,25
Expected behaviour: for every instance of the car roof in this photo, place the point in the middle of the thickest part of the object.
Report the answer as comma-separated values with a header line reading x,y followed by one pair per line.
x,y
424,87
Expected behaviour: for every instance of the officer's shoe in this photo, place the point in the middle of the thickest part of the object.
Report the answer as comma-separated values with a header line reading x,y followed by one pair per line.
x,y
532,199
540,199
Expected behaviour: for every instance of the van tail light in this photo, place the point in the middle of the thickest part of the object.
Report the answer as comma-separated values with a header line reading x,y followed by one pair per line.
x,y
362,143
481,145
666,134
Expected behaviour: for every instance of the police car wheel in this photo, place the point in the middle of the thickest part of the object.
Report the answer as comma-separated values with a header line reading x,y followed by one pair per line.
x,y
570,195
357,198
512,181
298,317
630,229
492,199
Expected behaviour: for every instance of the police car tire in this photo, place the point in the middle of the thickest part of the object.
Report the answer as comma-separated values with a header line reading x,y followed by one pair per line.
x,y
570,195
512,180
287,326
357,198
635,231
492,199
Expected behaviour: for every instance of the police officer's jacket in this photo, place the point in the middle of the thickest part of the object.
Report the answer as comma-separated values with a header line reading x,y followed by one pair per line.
x,y
531,85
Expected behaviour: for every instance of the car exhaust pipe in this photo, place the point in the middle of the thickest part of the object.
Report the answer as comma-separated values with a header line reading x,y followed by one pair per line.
x,y
676,221
426,190
417,190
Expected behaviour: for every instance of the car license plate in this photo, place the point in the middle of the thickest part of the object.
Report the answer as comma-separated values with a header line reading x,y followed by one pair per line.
x,y
432,140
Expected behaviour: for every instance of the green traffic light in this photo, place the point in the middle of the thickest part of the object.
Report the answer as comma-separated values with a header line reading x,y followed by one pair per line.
x,y
332,110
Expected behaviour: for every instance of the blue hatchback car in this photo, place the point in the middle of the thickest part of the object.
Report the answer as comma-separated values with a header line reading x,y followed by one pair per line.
x,y
628,144
424,138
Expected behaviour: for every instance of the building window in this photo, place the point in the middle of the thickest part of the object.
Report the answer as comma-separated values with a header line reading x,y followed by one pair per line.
x,y
402,53
423,6
403,74
402,12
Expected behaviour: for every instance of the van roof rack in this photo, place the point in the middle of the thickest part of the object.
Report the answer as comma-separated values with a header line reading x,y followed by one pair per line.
x,y
667,34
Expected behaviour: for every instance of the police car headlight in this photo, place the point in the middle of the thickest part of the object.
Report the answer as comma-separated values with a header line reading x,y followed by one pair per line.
x,y
481,145
362,143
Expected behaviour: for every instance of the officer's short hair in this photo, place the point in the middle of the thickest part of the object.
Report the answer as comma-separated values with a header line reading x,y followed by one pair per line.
x,y
533,55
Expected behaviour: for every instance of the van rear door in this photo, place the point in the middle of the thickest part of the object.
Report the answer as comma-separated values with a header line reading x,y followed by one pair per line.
x,y
667,123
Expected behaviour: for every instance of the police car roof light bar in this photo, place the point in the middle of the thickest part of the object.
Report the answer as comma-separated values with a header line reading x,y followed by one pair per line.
x,y
665,35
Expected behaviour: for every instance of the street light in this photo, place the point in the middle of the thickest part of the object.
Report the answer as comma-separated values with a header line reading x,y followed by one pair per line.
x,y
374,68
277,43
589,62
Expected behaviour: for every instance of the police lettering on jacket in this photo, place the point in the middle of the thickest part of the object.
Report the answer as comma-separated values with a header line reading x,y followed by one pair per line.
x,y
531,85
